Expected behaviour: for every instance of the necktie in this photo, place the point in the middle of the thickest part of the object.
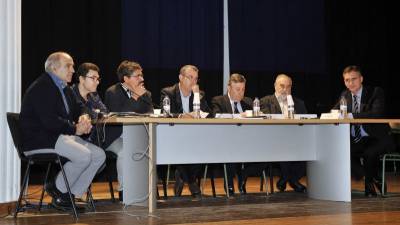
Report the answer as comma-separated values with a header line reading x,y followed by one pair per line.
x,y
235,108
357,127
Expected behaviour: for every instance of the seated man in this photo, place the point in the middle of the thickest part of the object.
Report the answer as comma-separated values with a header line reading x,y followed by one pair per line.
x,y
51,122
181,97
233,102
368,141
277,103
128,95
85,92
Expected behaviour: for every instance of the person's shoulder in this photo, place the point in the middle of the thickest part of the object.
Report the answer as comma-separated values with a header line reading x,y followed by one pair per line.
x,y
170,90
113,88
247,100
267,98
218,99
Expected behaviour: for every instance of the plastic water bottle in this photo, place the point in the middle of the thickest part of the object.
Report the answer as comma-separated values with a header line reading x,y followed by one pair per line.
x,y
290,106
196,105
166,106
343,107
256,107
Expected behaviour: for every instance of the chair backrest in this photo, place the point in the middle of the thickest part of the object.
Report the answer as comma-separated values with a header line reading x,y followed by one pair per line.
x,y
16,133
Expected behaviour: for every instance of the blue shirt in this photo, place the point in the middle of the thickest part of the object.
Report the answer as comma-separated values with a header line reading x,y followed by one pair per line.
x,y
60,85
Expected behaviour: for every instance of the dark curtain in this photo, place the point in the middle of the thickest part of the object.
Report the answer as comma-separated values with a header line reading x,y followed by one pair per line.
x,y
269,37
165,35
89,30
359,33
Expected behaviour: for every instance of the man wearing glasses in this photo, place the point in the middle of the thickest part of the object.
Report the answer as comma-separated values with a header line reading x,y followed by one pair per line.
x,y
181,97
128,95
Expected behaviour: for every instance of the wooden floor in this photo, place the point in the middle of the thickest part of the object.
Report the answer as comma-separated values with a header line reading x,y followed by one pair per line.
x,y
254,208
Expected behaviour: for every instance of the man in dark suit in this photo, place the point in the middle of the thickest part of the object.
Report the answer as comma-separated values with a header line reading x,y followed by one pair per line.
x,y
128,95
277,103
52,121
181,96
368,141
233,102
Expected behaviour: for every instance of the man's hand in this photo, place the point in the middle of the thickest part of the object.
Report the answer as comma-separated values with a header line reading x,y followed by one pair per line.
x,y
195,88
138,90
84,125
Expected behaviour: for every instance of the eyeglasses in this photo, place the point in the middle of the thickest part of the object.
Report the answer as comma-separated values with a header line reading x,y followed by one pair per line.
x,y
191,78
94,78
137,75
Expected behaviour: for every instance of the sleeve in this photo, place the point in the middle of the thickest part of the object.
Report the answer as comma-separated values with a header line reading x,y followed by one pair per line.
x,y
216,107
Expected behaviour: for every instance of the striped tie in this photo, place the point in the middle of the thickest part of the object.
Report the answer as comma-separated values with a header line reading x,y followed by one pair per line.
x,y
235,108
357,127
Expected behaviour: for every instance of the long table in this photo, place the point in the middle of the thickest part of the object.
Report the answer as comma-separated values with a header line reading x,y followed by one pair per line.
x,y
324,144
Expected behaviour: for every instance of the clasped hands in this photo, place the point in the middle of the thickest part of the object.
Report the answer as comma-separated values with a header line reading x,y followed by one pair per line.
x,y
84,125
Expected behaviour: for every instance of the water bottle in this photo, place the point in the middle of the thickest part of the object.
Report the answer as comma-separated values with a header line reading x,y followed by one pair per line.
x,y
196,105
343,107
166,106
290,107
256,107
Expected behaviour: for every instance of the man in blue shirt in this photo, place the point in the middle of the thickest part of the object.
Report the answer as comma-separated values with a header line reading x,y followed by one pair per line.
x,y
52,122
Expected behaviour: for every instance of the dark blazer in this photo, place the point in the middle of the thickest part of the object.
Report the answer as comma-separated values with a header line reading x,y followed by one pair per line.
x,y
372,106
43,115
174,95
270,105
222,104
117,100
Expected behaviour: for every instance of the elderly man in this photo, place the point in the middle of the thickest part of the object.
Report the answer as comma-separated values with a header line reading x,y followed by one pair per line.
x,y
54,125
277,103
368,141
233,102
181,97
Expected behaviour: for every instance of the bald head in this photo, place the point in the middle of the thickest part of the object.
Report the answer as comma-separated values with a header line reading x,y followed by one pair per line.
x,y
60,64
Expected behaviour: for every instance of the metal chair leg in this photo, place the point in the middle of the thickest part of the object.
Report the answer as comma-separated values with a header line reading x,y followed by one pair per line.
x,y
44,183
90,198
68,188
24,184
226,181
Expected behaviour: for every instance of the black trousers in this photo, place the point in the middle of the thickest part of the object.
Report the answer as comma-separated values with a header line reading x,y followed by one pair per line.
x,y
189,172
292,171
368,149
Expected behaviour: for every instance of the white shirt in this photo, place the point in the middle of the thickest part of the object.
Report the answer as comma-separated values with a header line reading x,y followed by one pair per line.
x,y
185,101
358,96
238,105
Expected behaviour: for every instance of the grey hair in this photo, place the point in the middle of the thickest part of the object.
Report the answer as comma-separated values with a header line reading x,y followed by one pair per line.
x,y
53,60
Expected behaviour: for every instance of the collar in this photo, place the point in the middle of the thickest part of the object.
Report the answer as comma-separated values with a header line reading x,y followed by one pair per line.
x,y
59,83
182,95
126,89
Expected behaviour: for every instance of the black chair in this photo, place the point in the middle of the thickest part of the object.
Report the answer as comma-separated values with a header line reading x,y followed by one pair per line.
x,y
392,156
48,158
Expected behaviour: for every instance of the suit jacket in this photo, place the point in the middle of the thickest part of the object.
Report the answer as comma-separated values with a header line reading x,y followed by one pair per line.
x,y
174,95
117,100
43,116
222,104
372,106
270,105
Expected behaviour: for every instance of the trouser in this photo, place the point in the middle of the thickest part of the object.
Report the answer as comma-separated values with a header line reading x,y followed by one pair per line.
x,y
84,158
116,147
292,171
369,149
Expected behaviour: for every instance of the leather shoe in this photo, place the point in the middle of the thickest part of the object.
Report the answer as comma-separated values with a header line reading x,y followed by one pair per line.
x,y
230,190
370,189
378,185
194,189
178,187
297,186
281,184
63,205
242,187
51,189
